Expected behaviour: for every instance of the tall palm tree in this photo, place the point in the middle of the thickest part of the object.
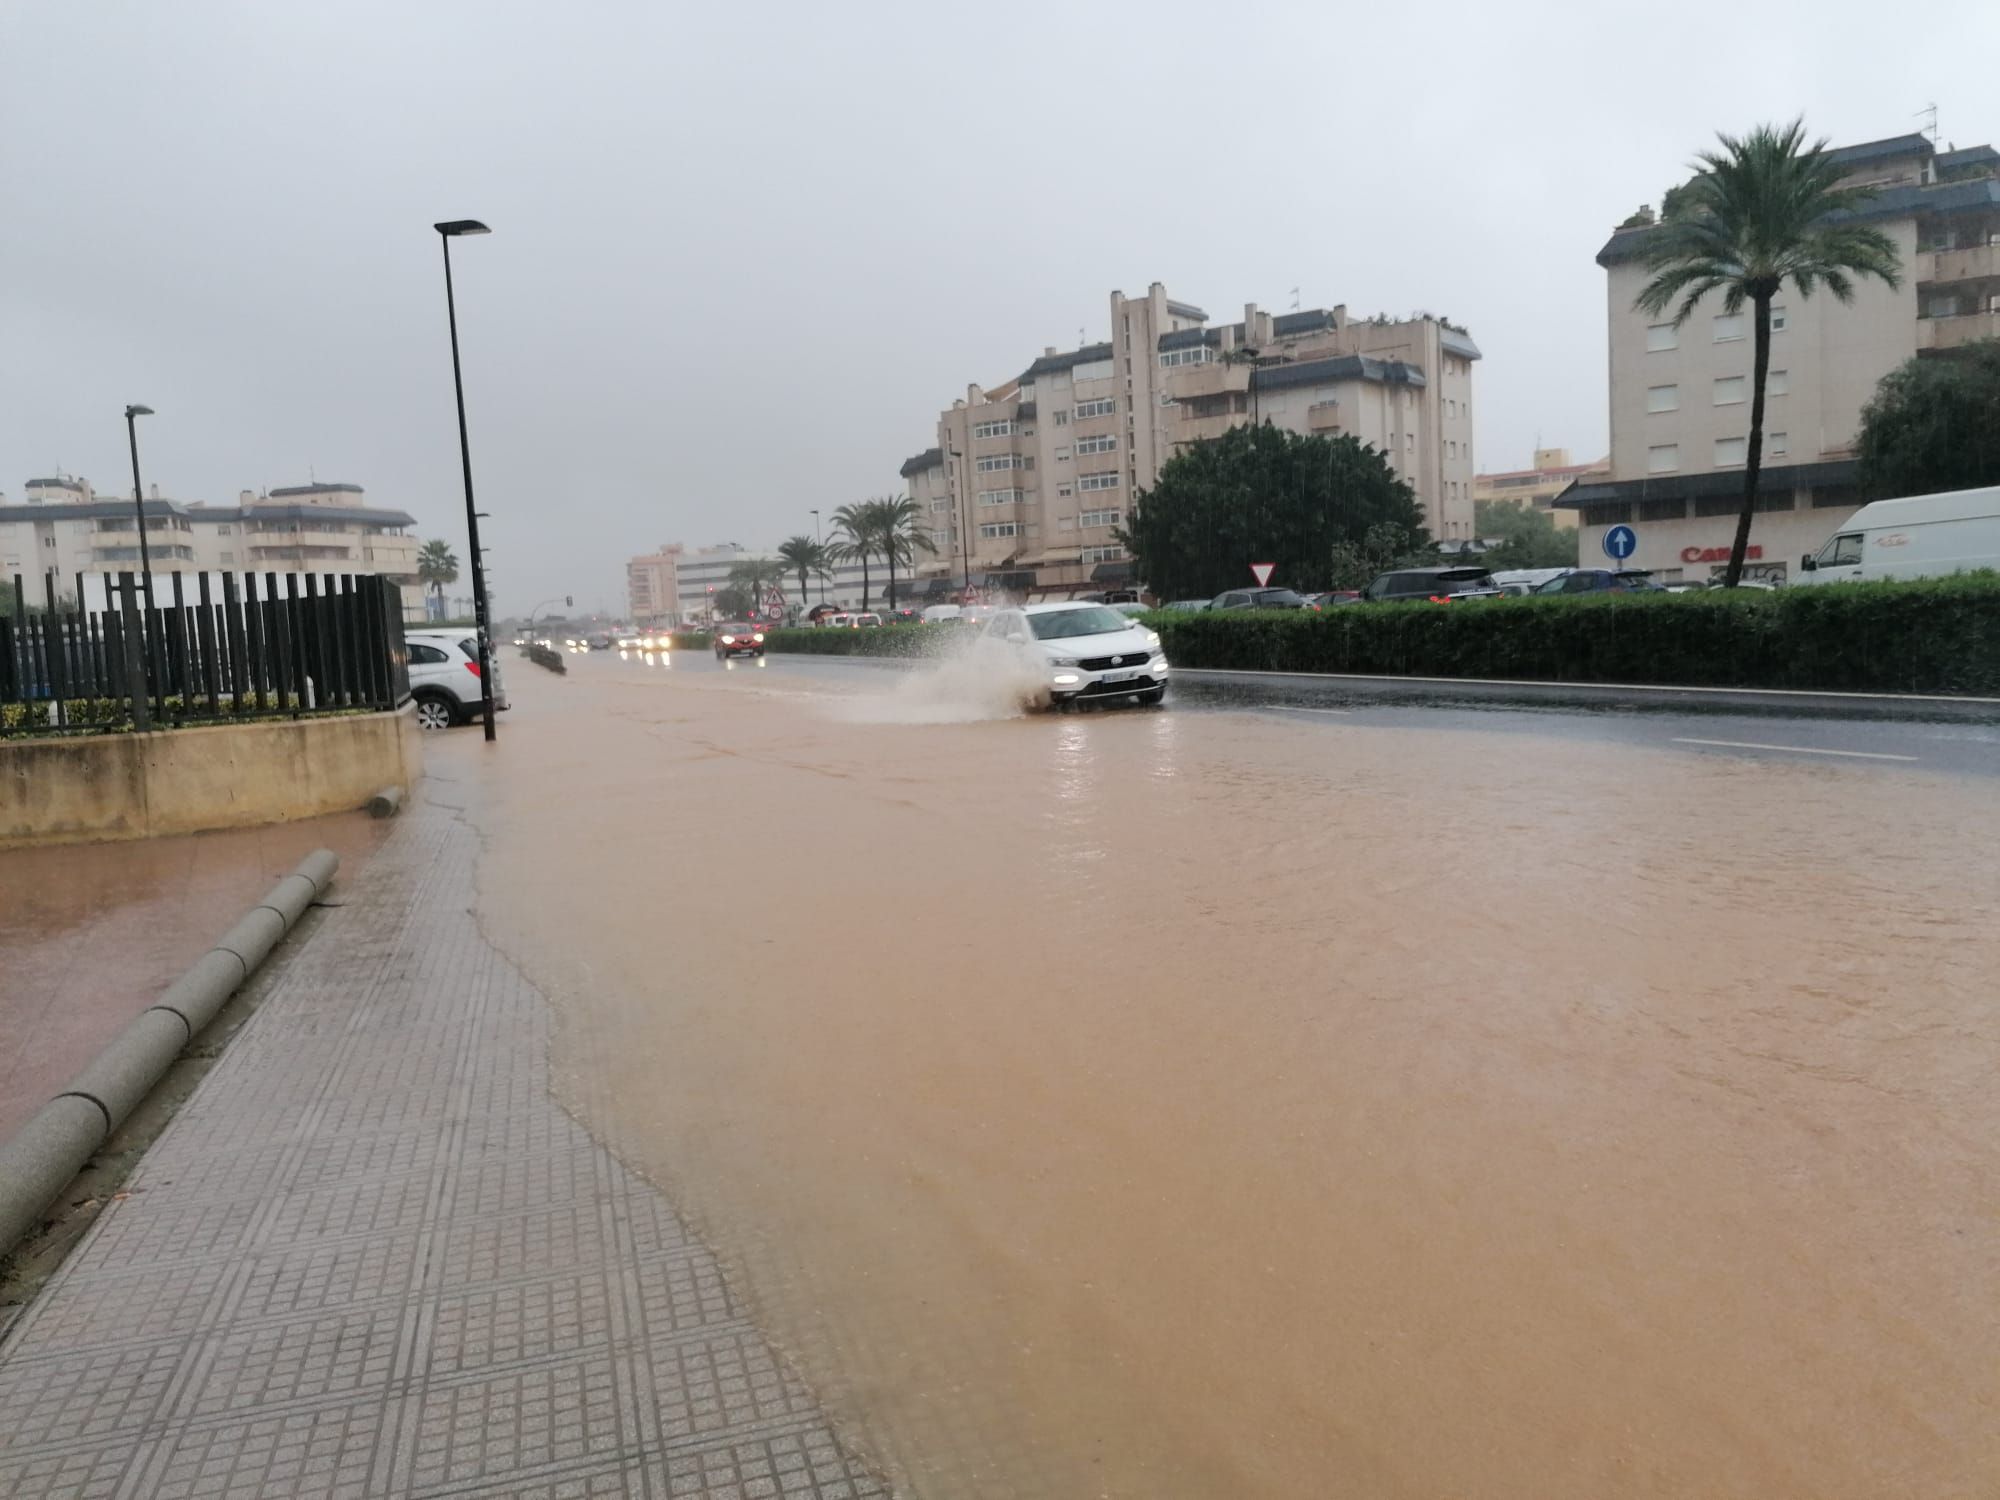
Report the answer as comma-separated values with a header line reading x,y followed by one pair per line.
x,y
437,567
749,577
807,557
1764,210
854,538
900,534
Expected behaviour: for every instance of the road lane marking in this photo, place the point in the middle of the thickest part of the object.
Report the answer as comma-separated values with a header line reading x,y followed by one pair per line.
x,y
1791,749
1292,708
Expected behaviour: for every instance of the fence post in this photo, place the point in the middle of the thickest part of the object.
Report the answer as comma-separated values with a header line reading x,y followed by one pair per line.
x,y
232,625
291,628
135,669
205,637
53,654
180,668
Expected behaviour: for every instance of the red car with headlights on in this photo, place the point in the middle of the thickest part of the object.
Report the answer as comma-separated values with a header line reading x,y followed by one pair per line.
x,y
738,640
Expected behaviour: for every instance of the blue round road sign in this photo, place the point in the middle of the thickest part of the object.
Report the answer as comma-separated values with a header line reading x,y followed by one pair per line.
x,y
1620,542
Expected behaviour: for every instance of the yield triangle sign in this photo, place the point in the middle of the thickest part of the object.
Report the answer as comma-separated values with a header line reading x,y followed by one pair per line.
x,y
1262,572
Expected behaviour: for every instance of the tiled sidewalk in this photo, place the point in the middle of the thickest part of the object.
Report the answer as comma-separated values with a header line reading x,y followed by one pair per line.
x,y
372,1257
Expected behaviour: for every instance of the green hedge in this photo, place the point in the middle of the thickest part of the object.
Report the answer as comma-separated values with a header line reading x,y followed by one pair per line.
x,y
1938,636
884,640
114,715
691,640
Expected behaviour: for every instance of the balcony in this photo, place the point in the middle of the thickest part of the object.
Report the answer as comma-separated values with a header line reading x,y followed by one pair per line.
x,y
1191,382
1323,416
1935,266
1936,334
1201,429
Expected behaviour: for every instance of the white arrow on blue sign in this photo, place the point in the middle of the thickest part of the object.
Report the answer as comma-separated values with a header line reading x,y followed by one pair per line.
x,y
1620,542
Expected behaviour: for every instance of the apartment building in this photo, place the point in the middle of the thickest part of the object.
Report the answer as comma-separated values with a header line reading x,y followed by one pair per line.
x,y
1031,479
1680,397
652,586
1538,487
67,528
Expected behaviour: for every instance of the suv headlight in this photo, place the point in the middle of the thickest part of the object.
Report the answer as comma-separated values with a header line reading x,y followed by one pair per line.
x,y
1062,661
1153,639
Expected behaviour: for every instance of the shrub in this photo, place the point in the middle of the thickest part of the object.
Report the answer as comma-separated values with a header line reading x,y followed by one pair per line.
x,y
1936,636
885,640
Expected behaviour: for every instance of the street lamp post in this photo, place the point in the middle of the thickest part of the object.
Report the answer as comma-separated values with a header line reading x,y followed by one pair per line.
x,y
447,232
132,415
820,542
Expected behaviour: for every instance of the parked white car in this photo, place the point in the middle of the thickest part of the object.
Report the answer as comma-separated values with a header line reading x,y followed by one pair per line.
x,y
444,677
1084,651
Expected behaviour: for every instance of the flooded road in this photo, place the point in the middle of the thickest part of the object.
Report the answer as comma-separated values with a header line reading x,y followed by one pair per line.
x,y
1230,1104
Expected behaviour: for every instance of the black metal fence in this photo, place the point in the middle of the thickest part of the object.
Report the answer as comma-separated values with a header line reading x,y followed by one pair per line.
x,y
279,645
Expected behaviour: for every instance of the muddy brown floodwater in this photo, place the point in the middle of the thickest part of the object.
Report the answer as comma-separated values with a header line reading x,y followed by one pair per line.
x,y
1217,1104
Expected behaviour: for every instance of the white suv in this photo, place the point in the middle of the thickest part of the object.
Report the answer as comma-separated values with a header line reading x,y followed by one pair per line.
x,y
444,677
1084,651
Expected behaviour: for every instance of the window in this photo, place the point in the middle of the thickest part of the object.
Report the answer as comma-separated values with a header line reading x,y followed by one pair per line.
x,y
1096,369
1065,523
995,461
1201,354
428,656
1062,455
1663,458
1717,505
1102,407
999,497
1777,444
1728,326
1000,528
1097,481
993,429
1730,451
1778,383
1661,336
1663,398
1095,445
1409,442
1842,551
1778,320
1730,390
1062,419
1102,554
228,559
1099,518
1663,510
1063,490
943,536
224,530
941,504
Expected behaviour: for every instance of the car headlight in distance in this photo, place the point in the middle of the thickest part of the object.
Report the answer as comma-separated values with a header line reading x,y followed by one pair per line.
x,y
729,640
758,638
1066,679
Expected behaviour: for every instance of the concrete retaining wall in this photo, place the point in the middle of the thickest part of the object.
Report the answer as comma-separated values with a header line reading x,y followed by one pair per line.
x,y
129,786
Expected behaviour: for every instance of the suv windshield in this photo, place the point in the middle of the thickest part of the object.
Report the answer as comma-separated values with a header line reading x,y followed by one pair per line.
x,y
1060,624
1276,599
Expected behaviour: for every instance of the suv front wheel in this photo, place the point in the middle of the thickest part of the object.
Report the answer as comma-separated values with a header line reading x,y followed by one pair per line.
x,y
435,711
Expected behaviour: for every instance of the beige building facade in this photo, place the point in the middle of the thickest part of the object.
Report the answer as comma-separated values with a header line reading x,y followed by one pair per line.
x,y
1030,480
1680,397
67,528
1537,487
652,586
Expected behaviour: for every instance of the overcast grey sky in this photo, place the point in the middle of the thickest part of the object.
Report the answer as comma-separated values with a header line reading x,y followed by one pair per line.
x,y
743,253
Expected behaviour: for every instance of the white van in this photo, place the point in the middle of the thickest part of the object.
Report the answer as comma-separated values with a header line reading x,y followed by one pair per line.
x,y
1925,536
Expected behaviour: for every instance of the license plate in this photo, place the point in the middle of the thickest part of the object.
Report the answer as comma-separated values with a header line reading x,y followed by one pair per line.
x,y
1118,676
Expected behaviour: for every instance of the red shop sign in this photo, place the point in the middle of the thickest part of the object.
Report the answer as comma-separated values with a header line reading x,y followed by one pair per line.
x,y
1717,554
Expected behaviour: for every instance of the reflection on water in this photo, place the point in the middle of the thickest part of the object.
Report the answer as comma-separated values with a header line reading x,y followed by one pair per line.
x,y
1157,1104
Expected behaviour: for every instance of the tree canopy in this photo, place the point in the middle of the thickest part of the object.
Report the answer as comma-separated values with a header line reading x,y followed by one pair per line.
x,y
1265,495
1526,536
1934,424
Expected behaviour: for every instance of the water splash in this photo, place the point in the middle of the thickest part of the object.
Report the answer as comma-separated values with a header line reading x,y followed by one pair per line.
x,y
969,681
